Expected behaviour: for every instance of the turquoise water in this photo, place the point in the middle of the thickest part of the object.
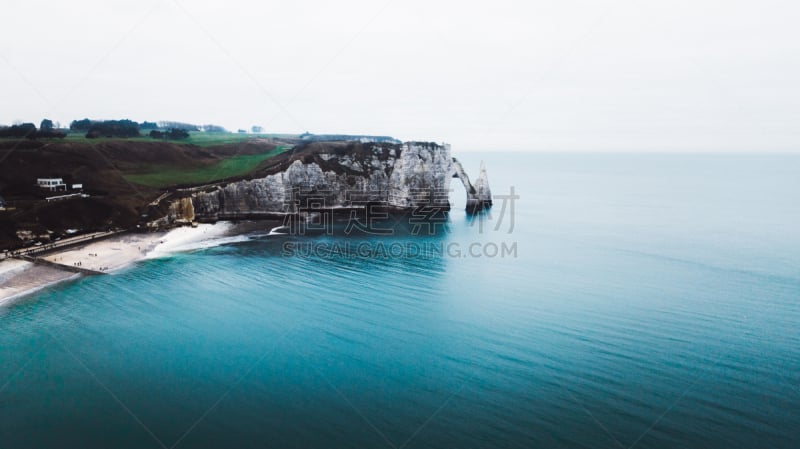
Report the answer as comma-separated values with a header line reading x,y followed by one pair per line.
x,y
652,302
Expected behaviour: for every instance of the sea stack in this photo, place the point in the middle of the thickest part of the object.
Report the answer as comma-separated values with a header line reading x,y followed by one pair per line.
x,y
482,198
479,196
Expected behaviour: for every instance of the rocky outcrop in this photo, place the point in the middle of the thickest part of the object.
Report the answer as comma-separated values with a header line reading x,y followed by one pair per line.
x,y
482,198
181,211
479,196
339,175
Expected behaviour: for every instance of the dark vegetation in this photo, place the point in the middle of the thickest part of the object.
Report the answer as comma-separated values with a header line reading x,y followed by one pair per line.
x,y
105,128
113,128
128,128
29,131
214,129
171,134
178,125
81,125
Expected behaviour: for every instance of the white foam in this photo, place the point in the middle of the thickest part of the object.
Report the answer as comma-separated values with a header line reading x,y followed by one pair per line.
x,y
190,239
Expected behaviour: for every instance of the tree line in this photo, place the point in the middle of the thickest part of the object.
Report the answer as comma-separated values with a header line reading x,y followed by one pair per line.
x,y
128,128
29,131
168,130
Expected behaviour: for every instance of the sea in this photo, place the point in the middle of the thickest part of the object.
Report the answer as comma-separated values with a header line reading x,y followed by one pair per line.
x,y
607,300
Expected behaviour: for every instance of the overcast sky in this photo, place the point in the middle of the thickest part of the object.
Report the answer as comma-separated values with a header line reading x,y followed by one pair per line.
x,y
559,75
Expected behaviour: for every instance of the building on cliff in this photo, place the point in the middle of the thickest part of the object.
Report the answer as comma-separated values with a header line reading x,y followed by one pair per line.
x,y
51,184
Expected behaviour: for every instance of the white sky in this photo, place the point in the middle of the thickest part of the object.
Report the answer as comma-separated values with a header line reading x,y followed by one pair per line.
x,y
673,75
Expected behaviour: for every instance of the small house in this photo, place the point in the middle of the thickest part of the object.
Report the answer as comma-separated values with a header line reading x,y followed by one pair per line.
x,y
51,184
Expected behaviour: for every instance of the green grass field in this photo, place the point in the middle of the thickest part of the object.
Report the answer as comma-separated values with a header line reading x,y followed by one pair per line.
x,y
164,176
203,139
160,176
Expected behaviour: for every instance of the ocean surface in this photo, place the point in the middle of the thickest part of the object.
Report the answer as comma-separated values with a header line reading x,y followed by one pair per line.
x,y
647,301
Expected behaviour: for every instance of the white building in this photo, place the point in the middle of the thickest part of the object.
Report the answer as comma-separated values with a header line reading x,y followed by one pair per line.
x,y
52,184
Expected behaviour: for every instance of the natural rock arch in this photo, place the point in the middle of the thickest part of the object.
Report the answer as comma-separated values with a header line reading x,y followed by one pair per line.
x,y
479,195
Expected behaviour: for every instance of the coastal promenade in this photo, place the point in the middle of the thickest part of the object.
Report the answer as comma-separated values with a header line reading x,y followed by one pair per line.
x,y
64,243
36,254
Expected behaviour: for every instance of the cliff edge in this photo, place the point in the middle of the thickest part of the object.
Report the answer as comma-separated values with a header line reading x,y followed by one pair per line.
x,y
334,175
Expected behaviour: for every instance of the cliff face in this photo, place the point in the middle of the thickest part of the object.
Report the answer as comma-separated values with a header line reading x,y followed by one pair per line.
x,y
181,211
399,176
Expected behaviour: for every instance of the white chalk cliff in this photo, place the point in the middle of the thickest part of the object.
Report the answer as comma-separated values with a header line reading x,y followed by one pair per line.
x,y
336,176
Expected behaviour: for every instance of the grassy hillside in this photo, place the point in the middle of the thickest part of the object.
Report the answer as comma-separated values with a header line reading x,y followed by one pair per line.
x,y
122,176
159,176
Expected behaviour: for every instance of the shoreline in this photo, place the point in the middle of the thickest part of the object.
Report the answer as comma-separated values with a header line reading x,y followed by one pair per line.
x,y
20,278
